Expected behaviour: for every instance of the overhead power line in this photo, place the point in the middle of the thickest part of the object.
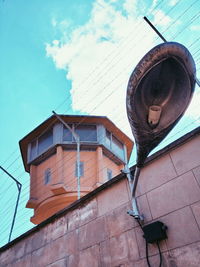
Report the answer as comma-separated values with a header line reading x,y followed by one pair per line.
x,y
114,57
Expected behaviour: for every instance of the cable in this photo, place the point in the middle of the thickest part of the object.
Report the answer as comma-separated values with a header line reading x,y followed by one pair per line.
x,y
108,55
107,85
14,151
61,166
181,15
189,22
147,254
160,254
56,169
146,245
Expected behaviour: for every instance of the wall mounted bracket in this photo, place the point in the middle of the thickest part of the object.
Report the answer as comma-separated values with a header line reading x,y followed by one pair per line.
x,y
133,180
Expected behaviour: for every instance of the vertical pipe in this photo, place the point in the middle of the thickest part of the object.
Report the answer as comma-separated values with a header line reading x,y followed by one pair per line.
x,y
78,168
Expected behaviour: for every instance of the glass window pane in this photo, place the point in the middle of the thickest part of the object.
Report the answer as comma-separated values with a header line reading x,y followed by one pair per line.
x,y
47,176
117,147
45,141
87,133
67,135
108,139
33,152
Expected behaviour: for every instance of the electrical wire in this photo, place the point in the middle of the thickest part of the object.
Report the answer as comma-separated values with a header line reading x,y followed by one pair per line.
x,y
121,43
146,246
159,2
163,141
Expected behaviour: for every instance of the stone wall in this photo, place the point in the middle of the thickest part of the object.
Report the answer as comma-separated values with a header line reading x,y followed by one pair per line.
x,y
97,232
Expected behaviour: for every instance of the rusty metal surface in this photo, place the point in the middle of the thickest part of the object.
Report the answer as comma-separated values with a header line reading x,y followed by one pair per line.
x,y
165,76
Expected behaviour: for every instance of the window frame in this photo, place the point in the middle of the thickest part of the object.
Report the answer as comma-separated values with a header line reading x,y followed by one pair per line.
x,y
110,146
65,128
73,126
36,140
39,151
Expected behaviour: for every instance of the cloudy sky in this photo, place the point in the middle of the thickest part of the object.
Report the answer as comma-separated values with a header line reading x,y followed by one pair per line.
x,y
75,57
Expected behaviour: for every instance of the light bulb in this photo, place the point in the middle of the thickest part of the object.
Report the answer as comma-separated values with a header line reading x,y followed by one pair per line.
x,y
154,115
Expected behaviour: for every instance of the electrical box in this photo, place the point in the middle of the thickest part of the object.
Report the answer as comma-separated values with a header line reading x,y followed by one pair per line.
x,y
155,232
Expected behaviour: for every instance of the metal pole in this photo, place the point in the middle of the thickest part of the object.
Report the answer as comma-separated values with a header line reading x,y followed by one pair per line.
x,y
19,186
77,139
154,28
133,180
78,169
17,182
15,213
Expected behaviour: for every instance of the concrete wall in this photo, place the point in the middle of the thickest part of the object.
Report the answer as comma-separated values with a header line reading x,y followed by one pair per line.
x,y
97,232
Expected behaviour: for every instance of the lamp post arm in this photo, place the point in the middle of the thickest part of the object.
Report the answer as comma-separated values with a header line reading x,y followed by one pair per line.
x,y
76,137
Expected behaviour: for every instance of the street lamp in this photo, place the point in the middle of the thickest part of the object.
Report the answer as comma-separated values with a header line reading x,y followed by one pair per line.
x,y
159,91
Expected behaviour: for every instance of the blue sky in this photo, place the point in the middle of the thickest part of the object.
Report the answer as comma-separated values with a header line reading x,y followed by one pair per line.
x,y
76,57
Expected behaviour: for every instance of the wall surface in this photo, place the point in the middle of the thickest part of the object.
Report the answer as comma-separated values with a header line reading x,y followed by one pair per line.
x,y
97,232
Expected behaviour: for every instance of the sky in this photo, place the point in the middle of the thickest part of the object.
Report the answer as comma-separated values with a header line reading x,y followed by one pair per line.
x,y
76,57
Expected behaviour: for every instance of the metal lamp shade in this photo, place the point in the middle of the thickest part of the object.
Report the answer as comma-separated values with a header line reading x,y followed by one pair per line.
x,y
159,91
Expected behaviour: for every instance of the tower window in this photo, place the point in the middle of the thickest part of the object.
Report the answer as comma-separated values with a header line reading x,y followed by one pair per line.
x,y
33,151
87,133
109,174
45,141
117,146
108,139
41,144
67,134
81,169
47,176
114,144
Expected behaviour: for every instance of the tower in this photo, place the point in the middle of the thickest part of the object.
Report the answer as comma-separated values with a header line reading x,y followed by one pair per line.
x,y
49,154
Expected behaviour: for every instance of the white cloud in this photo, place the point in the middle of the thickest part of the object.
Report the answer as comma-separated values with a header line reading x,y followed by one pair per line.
x,y
55,42
160,18
53,22
154,4
131,7
99,58
173,2
100,55
195,27
193,109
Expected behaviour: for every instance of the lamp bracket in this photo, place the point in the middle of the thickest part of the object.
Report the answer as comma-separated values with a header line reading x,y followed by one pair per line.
x,y
135,215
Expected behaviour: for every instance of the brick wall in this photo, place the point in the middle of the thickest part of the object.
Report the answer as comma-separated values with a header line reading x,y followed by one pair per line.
x,y
97,232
